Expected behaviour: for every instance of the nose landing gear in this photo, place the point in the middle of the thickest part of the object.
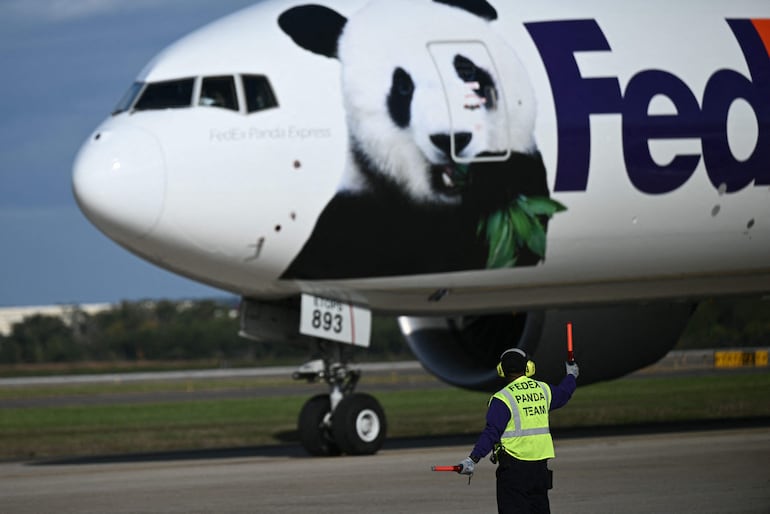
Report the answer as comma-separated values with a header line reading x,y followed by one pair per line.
x,y
358,424
341,421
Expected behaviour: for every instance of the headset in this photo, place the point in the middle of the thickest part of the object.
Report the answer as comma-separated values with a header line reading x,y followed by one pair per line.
x,y
529,370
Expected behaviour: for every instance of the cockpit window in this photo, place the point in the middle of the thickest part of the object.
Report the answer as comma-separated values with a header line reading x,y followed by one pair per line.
x,y
219,92
166,95
128,98
259,94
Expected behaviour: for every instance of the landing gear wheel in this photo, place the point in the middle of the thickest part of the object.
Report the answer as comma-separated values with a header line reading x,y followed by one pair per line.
x,y
359,424
313,427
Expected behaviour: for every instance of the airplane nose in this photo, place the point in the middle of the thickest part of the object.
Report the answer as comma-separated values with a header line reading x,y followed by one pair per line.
x,y
119,181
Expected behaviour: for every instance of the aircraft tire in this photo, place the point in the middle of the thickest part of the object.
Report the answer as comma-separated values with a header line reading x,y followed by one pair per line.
x,y
313,434
359,425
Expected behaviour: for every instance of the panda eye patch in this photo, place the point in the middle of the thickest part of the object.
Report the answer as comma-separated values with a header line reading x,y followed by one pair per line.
x,y
400,97
402,82
465,68
469,72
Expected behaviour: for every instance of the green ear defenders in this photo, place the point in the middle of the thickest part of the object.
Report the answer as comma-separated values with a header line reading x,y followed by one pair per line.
x,y
530,367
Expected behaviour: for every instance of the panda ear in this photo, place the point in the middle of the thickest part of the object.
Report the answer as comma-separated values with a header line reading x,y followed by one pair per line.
x,y
478,7
313,27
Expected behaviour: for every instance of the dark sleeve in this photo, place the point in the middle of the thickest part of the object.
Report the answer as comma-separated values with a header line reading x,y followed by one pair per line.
x,y
498,416
560,394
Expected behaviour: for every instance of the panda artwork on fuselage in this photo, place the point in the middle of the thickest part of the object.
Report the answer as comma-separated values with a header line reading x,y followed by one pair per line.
x,y
442,172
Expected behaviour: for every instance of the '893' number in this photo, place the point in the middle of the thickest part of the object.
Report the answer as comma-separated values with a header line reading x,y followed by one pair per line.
x,y
327,321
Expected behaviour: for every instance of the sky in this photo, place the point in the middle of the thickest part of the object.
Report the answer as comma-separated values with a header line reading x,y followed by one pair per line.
x,y
64,66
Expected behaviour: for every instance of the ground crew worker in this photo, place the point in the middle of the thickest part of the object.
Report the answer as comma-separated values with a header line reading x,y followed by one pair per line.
x,y
517,430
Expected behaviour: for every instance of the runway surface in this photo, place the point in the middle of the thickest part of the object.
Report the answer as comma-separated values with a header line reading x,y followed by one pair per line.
x,y
687,472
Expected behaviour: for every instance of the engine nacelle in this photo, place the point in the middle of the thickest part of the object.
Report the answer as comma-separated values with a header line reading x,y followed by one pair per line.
x,y
609,341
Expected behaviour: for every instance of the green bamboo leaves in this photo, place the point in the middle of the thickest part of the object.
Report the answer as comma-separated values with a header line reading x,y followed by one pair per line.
x,y
517,226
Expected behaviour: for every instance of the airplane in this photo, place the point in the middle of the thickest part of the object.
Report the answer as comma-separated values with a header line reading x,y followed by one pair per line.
x,y
486,170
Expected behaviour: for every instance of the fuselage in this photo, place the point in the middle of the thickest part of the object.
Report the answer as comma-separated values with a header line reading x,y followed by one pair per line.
x,y
653,122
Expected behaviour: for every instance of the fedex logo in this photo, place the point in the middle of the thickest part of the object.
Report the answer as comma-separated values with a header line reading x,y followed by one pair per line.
x,y
576,98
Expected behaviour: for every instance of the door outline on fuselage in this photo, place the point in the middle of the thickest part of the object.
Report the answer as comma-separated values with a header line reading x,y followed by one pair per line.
x,y
459,99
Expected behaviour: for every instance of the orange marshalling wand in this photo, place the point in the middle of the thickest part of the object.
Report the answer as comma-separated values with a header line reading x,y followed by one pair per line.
x,y
456,468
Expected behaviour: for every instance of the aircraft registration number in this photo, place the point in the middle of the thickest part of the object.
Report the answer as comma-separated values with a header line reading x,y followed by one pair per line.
x,y
335,320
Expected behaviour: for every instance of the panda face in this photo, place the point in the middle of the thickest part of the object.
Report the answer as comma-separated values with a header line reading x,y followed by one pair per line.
x,y
439,143
423,100
478,91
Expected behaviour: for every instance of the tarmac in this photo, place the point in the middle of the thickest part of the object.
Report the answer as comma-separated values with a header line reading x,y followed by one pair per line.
x,y
708,471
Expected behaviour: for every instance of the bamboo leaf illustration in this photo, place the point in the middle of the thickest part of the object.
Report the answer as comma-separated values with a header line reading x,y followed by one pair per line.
x,y
522,224
517,226
544,206
536,242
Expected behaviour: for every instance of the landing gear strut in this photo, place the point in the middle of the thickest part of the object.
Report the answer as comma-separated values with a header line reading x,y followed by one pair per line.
x,y
341,421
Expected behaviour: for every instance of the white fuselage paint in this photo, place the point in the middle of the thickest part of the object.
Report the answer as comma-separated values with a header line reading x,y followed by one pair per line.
x,y
229,198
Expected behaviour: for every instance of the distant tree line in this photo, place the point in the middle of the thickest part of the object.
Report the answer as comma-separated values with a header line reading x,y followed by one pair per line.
x,y
728,322
208,330
160,331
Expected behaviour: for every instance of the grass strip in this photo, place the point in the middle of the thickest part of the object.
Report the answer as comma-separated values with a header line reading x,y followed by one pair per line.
x,y
135,428
667,399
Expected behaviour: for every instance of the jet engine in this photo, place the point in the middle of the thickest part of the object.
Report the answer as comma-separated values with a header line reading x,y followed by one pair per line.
x,y
609,341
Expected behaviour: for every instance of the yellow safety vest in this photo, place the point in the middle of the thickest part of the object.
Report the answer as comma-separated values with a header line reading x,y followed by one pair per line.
x,y
527,436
